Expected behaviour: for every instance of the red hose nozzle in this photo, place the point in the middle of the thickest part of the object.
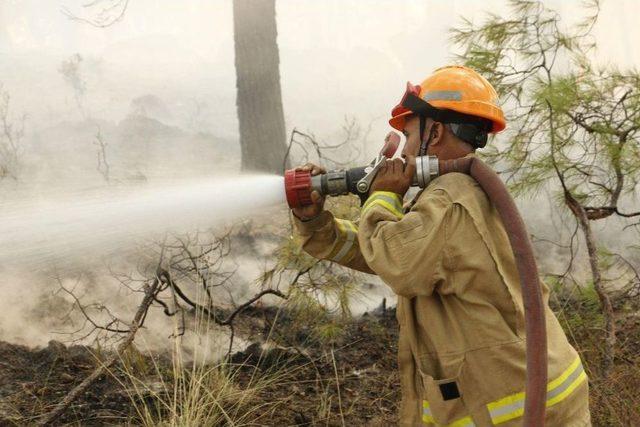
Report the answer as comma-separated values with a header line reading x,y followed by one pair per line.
x,y
297,186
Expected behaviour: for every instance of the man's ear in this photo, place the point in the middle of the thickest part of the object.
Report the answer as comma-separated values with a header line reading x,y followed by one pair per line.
x,y
437,133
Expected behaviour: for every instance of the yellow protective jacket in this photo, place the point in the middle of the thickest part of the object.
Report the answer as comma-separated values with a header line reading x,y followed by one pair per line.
x,y
461,345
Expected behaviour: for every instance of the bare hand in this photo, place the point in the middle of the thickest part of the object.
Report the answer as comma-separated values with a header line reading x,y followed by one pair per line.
x,y
311,211
395,176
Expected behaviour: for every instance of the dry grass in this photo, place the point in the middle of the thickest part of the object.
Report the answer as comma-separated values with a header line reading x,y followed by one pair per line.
x,y
614,400
195,392
346,372
203,396
345,379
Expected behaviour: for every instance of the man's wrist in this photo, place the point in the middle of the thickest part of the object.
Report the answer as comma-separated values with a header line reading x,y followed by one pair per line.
x,y
313,224
306,219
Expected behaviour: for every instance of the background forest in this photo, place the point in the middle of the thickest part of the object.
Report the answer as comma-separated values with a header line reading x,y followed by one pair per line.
x,y
169,318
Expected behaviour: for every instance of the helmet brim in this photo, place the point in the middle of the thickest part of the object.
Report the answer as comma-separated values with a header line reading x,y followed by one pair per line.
x,y
400,121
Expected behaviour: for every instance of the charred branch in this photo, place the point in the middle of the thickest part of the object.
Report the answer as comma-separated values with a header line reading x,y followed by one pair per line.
x,y
136,324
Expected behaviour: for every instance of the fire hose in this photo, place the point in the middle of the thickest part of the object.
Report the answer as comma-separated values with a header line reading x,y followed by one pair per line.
x,y
299,185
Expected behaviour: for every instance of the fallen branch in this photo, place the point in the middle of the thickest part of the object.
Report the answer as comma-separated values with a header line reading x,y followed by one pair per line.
x,y
149,295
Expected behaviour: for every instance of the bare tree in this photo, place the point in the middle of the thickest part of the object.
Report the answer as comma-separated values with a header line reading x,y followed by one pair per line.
x,y
103,164
11,136
72,74
134,326
193,281
304,147
197,115
100,13
259,98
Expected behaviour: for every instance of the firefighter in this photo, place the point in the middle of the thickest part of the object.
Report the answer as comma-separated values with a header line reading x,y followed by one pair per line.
x,y
461,350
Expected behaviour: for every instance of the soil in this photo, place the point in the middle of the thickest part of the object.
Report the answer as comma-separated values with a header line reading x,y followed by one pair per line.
x,y
362,358
365,366
32,381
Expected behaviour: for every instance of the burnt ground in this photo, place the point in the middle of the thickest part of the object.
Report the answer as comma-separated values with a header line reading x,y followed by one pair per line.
x,y
362,357
31,381
305,393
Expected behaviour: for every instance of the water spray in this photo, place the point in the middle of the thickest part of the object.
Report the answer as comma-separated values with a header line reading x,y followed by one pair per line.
x,y
59,226
299,185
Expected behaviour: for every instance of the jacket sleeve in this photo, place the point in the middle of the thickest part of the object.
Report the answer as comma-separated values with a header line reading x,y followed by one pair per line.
x,y
330,238
406,251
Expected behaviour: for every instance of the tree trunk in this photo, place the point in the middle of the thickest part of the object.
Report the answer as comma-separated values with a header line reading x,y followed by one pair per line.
x,y
605,301
259,98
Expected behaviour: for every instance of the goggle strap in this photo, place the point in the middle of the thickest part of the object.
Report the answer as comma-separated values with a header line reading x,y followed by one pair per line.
x,y
421,107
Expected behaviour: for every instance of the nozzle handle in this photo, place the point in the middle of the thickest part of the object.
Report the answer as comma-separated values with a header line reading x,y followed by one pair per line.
x,y
391,144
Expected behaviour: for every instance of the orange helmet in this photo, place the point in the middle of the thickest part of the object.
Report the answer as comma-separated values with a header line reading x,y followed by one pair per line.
x,y
452,94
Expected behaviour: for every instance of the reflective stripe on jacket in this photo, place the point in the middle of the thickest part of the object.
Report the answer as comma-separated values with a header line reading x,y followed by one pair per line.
x,y
461,346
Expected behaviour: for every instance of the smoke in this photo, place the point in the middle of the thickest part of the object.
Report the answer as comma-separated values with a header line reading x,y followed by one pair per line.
x,y
35,310
158,112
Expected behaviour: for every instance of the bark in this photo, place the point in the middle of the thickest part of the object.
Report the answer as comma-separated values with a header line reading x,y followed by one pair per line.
x,y
605,302
259,98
